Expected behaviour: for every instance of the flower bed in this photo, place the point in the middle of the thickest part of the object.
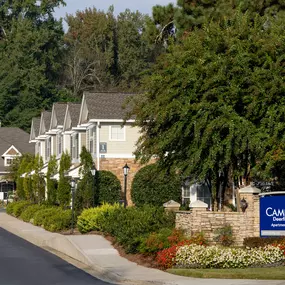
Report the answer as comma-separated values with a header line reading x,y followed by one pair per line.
x,y
197,256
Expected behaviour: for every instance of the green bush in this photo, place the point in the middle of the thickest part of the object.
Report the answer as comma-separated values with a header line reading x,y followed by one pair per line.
x,y
262,242
153,187
30,212
10,208
19,207
53,219
41,215
58,220
108,187
92,219
130,226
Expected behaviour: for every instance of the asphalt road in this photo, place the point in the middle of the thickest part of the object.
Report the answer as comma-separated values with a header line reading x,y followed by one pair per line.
x,y
22,263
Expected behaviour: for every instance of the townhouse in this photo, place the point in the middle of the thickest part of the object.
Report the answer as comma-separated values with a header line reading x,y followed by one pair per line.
x,y
96,123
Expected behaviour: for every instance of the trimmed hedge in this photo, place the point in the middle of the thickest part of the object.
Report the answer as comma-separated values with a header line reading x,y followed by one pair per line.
x,y
28,213
16,208
130,226
153,187
262,242
93,219
108,187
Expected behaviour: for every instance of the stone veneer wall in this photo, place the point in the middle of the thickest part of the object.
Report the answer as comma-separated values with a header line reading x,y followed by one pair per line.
x,y
115,165
243,224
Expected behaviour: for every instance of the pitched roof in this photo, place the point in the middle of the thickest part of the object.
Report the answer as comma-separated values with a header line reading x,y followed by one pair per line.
x,y
46,117
16,137
74,111
106,105
60,109
36,126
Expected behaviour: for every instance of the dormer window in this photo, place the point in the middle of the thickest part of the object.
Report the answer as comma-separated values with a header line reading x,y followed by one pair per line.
x,y
8,161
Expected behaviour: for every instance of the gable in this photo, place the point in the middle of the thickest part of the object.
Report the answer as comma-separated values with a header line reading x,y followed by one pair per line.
x,y
12,151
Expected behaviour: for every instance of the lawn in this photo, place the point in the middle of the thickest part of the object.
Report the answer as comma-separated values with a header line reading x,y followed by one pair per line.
x,y
269,273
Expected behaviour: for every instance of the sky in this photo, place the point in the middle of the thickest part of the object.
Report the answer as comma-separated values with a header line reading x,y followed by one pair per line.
x,y
144,6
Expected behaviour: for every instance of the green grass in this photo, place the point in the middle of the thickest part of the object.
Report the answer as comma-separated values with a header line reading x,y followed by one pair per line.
x,y
270,273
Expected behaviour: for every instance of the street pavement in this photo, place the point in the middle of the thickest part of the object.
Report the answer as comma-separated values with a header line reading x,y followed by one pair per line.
x,y
22,263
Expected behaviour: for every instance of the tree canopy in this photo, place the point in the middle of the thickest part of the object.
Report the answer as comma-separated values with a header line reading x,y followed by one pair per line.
x,y
30,49
214,104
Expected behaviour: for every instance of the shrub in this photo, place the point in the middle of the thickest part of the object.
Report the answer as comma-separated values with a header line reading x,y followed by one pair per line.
x,y
41,215
131,225
58,220
224,235
166,257
108,187
261,242
150,186
19,207
30,211
93,219
10,208
197,256
53,219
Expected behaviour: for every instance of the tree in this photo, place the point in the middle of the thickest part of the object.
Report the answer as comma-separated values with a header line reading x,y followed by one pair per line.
x,y
38,183
84,194
30,56
108,187
134,52
214,105
51,183
92,58
17,169
155,187
63,191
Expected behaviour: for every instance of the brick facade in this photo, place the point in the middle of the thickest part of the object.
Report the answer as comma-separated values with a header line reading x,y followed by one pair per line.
x,y
115,165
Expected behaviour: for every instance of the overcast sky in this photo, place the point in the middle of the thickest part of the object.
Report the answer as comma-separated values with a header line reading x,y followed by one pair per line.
x,y
143,6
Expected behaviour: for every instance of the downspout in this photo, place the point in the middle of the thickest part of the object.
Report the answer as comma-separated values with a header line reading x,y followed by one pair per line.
x,y
98,144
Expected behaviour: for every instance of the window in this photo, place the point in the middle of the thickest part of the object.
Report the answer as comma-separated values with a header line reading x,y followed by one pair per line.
x,y
74,146
59,144
117,133
48,148
8,161
203,194
91,139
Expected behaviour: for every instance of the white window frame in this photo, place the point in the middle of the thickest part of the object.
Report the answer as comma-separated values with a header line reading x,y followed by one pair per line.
x,y
6,159
59,144
90,139
48,148
74,151
124,133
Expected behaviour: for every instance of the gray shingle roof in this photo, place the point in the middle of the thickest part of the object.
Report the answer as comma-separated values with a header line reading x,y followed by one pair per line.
x,y
36,125
16,137
60,109
106,105
47,118
74,111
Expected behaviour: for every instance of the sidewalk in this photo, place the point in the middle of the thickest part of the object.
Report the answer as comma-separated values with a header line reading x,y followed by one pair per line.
x,y
96,252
